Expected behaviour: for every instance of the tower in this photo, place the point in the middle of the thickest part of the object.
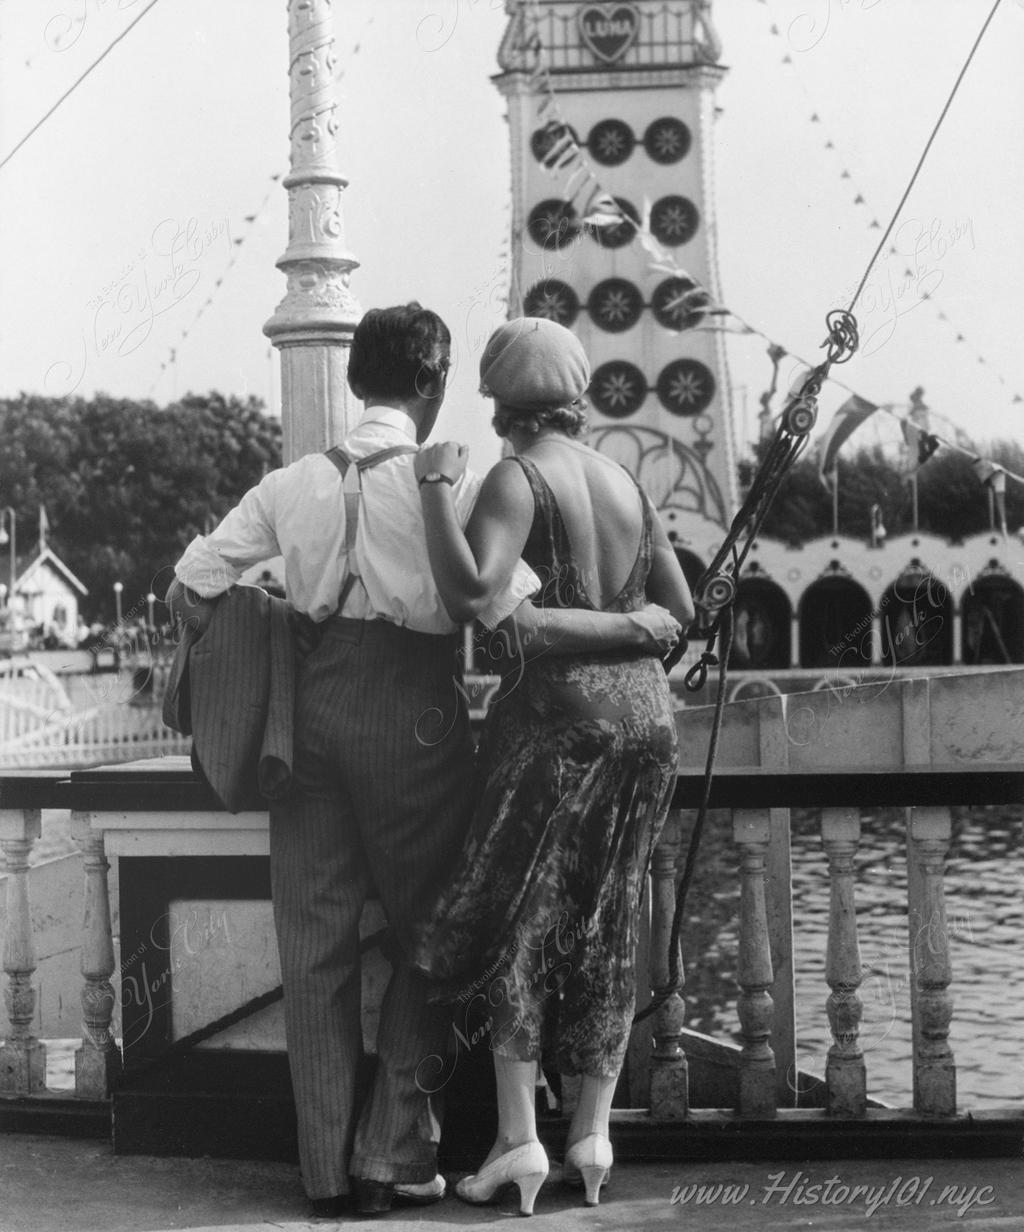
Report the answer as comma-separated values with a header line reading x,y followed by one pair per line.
x,y
611,111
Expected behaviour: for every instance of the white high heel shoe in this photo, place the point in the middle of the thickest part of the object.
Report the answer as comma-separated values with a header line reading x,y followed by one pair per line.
x,y
588,1163
525,1166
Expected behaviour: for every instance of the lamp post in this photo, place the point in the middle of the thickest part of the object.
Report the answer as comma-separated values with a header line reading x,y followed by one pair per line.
x,y
10,539
118,587
313,325
150,605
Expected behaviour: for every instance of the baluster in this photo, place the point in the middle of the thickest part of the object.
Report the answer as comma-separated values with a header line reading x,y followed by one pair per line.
x,y
751,830
98,1061
22,1057
669,1074
928,834
845,1075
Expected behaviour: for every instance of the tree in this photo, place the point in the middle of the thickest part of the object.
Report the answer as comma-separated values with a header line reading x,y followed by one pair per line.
x,y
952,502
126,484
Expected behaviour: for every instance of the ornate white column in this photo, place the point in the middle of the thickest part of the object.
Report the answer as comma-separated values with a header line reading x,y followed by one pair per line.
x,y
312,327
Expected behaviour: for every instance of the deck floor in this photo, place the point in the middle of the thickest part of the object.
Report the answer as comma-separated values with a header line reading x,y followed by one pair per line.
x,y
61,1185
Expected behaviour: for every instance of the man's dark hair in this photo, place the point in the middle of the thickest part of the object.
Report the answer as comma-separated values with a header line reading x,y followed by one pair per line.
x,y
397,352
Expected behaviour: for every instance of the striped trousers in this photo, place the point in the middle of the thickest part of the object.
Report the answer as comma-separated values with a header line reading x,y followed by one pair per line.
x,y
383,773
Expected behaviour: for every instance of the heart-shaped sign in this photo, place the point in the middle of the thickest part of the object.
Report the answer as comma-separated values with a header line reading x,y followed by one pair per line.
x,y
609,29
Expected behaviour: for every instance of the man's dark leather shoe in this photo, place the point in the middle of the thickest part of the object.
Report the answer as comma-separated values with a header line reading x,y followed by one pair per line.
x,y
335,1207
378,1197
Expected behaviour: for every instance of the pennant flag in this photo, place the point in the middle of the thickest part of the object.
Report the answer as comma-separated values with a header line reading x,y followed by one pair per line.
x,y
44,528
602,210
993,477
854,411
920,445
984,469
830,480
961,438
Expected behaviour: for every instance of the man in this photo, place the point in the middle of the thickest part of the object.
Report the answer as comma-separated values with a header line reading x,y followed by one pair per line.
x,y
382,757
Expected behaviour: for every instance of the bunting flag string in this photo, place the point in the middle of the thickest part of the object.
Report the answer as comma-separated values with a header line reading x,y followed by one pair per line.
x,y
237,242
561,151
927,441
910,275
563,155
250,221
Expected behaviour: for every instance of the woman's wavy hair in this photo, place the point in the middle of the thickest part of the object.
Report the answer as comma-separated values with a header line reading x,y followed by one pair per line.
x,y
570,419
398,352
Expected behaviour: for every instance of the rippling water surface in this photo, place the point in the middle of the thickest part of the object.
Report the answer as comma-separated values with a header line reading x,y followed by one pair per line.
x,y
984,914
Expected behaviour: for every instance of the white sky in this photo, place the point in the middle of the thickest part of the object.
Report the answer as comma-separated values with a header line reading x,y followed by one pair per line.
x,y
183,125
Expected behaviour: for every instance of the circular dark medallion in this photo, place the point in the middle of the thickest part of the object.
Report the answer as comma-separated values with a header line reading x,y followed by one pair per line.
x,y
615,305
667,140
552,224
611,142
552,299
552,141
678,303
686,387
618,389
674,221
617,234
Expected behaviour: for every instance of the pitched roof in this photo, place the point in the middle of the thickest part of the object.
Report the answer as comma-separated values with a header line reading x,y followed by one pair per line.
x,y
48,557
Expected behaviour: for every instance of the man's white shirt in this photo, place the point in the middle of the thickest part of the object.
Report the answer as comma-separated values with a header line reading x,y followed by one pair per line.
x,y
298,512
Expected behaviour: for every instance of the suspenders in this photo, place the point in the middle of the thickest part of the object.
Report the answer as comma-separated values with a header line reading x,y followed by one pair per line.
x,y
351,476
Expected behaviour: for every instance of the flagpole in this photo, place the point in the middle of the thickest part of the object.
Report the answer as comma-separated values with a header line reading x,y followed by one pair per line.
x,y
835,499
913,490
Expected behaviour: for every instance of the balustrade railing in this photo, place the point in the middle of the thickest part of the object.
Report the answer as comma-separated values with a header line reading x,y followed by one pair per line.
x,y
933,760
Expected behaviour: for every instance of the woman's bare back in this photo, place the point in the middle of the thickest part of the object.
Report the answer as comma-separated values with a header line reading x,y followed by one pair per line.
x,y
601,509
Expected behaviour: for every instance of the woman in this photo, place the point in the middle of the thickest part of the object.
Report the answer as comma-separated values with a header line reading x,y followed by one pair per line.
x,y
577,760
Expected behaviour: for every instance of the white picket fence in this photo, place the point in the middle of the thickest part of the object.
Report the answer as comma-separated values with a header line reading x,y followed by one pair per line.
x,y
51,721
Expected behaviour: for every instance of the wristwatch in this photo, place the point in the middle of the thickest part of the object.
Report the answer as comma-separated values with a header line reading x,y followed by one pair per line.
x,y
436,477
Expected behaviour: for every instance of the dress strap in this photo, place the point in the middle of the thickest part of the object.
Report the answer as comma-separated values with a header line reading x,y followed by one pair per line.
x,y
546,508
548,548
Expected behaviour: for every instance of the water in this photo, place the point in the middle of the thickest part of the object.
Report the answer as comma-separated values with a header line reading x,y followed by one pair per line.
x,y
984,910
985,924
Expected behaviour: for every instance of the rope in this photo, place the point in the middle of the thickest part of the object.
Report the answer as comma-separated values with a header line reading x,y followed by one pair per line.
x,y
924,154
716,590
675,981
103,55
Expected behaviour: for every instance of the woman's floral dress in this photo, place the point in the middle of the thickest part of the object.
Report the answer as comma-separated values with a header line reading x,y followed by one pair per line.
x,y
576,765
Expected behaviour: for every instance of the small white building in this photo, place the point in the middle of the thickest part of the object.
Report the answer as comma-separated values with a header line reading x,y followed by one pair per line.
x,y
47,594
